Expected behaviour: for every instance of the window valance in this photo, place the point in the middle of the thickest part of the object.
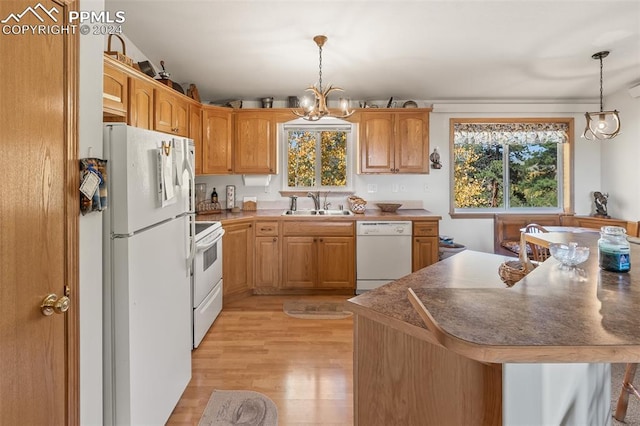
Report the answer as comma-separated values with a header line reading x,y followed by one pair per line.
x,y
510,133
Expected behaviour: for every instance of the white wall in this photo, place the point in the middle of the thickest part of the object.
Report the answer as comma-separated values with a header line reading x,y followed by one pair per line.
x,y
620,156
90,138
432,191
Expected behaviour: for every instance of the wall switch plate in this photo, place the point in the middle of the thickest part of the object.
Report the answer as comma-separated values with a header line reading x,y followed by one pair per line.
x,y
372,187
394,187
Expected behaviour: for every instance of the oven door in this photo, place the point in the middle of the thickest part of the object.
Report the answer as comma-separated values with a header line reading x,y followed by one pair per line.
x,y
207,265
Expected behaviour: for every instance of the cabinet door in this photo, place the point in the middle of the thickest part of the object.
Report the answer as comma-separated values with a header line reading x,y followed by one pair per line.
x,y
336,262
237,259
140,113
163,112
298,262
195,133
377,143
217,132
114,91
425,252
412,143
181,116
255,144
267,262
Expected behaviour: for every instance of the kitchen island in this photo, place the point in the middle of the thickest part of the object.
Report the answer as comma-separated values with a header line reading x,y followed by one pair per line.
x,y
490,353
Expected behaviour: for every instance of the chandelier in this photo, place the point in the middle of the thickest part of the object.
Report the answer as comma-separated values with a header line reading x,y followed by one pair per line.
x,y
315,109
602,124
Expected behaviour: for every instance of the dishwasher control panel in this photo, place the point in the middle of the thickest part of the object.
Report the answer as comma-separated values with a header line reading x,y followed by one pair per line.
x,y
386,228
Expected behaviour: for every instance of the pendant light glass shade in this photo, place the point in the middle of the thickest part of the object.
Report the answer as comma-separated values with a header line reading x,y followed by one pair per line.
x,y
602,124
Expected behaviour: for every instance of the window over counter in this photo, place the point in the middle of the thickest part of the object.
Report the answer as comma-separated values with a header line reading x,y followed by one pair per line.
x,y
318,155
511,165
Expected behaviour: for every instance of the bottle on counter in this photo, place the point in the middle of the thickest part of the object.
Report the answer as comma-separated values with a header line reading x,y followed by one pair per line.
x,y
613,249
214,196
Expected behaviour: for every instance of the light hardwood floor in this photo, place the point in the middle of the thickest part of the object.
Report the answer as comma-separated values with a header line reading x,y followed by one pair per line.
x,y
304,366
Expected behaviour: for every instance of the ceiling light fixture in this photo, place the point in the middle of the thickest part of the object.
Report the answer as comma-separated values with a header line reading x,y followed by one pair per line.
x,y
317,108
603,124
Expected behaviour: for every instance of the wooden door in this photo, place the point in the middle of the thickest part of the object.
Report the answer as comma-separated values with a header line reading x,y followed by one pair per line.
x,y
255,144
163,112
267,262
114,91
336,262
412,143
237,259
217,140
195,133
39,208
299,262
377,143
425,252
140,110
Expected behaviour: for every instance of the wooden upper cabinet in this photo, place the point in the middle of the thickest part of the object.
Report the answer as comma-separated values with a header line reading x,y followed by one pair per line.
x,y
377,143
255,145
217,137
114,92
195,133
171,114
394,142
140,112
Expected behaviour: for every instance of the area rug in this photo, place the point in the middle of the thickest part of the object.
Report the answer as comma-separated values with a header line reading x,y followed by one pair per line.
x,y
239,408
315,310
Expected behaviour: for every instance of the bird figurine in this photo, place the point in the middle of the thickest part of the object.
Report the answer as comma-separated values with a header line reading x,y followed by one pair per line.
x,y
435,159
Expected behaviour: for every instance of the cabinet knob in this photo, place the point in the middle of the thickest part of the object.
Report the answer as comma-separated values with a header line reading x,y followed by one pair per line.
x,y
275,239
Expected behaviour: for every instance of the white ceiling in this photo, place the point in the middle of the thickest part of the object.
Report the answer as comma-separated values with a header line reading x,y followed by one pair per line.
x,y
422,49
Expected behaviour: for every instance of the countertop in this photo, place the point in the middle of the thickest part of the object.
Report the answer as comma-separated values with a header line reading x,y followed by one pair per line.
x,y
548,316
373,214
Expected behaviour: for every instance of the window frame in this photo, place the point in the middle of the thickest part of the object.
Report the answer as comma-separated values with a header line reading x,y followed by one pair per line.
x,y
324,124
565,190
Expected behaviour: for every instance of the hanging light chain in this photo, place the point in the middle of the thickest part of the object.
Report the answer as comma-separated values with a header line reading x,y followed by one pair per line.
x,y
320,69
601,108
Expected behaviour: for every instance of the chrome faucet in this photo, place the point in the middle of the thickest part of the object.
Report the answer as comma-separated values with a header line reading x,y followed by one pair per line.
x,y
316,199
293,203
325,205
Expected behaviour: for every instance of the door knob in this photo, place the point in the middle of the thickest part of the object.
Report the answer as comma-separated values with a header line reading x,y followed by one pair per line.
x,y
52,304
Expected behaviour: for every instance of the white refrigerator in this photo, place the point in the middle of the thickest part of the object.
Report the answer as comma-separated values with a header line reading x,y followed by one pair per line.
x,y
147,258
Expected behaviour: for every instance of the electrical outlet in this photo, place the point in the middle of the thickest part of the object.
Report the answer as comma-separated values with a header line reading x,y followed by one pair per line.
x,y
394,187
403,188
372,187
426,187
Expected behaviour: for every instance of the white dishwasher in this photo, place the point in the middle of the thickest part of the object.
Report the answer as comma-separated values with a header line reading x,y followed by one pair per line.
x,y
383,253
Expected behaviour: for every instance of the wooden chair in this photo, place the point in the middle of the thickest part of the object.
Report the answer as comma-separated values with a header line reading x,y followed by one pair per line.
x,y
627,389
538,253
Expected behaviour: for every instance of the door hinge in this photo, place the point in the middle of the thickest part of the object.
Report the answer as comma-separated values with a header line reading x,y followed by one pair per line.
x,y
67,291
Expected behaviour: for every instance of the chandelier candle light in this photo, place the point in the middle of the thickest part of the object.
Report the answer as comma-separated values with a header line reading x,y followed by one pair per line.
x,y
603,124
316,109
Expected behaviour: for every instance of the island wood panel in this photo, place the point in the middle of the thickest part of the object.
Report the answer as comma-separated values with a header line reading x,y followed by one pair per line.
x,y
403,380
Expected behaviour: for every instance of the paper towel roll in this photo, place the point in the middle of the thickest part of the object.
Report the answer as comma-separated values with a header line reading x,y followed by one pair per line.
x,y
256,180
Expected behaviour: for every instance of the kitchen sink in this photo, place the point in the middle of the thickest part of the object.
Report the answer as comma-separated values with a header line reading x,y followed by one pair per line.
x,y
317,213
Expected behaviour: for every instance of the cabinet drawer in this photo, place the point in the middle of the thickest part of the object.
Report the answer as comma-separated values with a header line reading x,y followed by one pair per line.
x,y
425,229
319,228
266,229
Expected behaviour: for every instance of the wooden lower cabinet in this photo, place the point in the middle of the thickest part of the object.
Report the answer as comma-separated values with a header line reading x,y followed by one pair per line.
x,y
318,255
426,244
237,260
267,261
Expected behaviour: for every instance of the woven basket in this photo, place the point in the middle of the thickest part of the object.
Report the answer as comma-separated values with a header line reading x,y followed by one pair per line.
x,y
120,57
357,204
513,271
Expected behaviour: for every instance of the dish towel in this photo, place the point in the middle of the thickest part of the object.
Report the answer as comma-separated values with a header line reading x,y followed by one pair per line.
x,y
93,199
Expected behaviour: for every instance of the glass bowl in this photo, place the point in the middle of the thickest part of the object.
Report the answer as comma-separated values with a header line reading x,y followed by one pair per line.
x,y
569,254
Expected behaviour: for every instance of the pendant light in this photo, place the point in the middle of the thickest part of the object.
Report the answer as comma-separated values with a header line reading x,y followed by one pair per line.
x,y
317,108
603,124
